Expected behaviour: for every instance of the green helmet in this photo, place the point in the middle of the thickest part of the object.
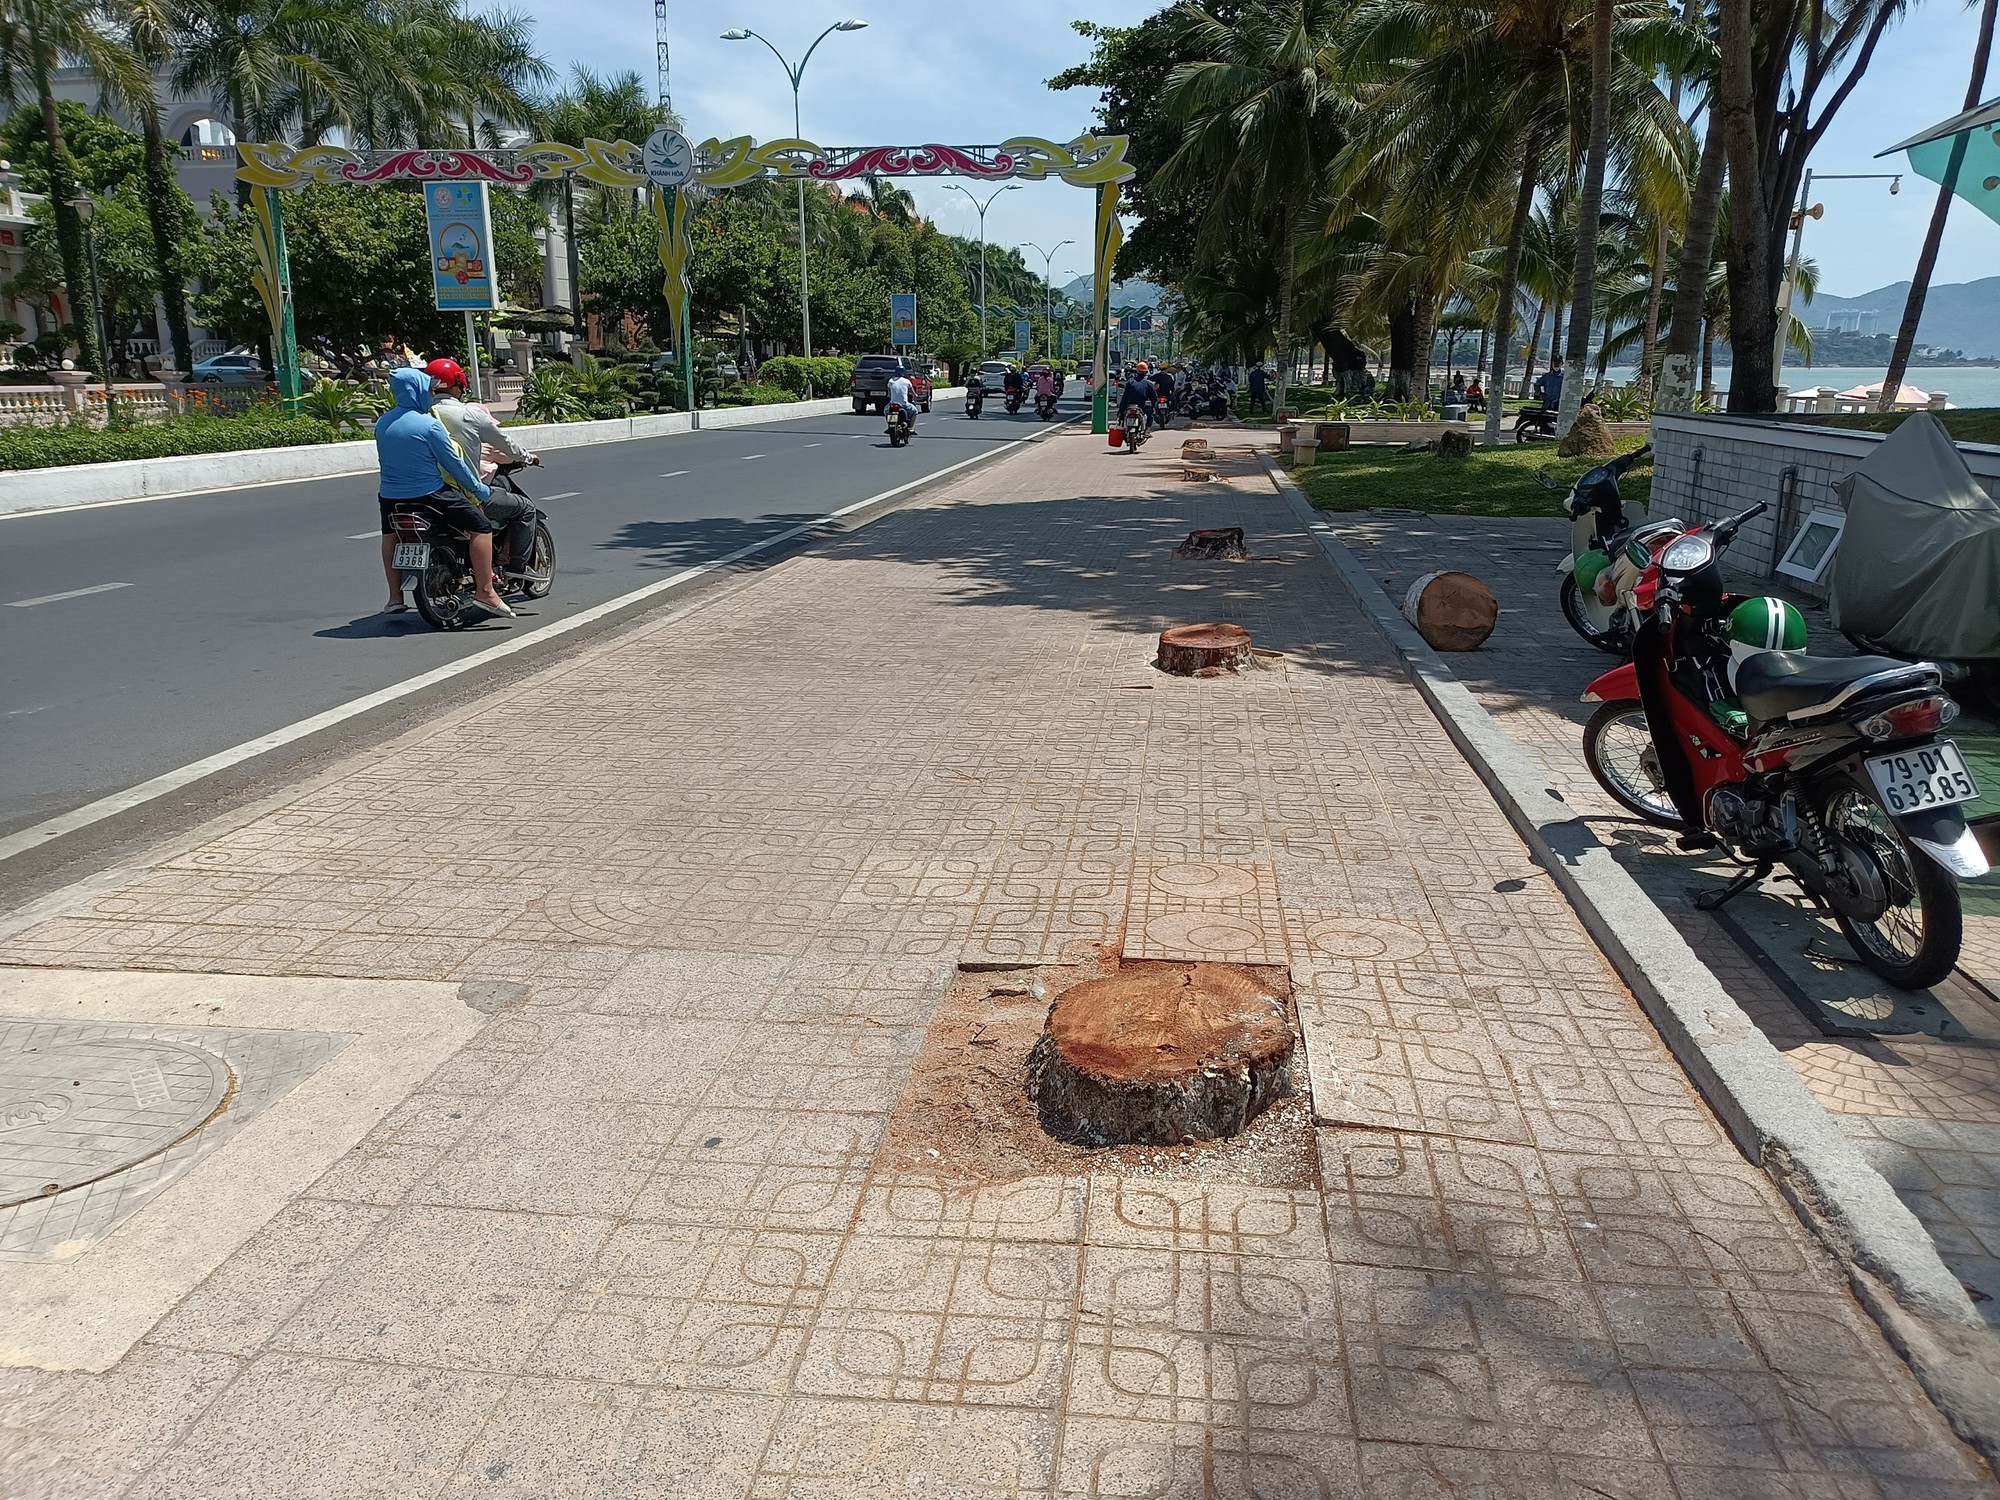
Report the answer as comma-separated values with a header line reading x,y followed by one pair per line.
x,y
1765,624
1588,567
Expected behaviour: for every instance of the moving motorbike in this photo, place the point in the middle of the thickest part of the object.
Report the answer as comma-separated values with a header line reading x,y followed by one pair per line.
x,y
1133,424
1535,422
900,427
1045,406
975,398
1017,392
437,566
1721,725
1610,547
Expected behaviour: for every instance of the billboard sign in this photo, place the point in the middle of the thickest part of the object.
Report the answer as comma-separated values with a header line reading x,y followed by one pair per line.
x,y
903,319
1023,336
461,239
1069,342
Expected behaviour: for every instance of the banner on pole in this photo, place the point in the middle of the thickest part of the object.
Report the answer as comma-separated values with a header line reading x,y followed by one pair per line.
x,y
461,236
1069,342
1023,335
903,319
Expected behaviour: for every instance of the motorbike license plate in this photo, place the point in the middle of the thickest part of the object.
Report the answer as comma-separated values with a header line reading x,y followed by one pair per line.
x,y
1931,776
412,557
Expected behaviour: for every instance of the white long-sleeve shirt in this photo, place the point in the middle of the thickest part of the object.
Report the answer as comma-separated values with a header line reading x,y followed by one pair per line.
x,y
474,429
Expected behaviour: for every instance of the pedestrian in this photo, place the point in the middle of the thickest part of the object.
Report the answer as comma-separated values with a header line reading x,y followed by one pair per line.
x,y
1260,384
1549,385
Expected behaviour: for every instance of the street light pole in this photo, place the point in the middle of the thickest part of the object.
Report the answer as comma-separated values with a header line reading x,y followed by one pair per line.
x,y
795,74
1048,260
1807,209
1012,187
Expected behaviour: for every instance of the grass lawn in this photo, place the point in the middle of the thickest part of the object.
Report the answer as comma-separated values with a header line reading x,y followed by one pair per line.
x,y
1976,424
1489,482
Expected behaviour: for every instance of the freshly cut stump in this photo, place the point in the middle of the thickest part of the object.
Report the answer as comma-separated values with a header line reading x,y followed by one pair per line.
x,y
1161,1053
1452,611
1214,541
1203,650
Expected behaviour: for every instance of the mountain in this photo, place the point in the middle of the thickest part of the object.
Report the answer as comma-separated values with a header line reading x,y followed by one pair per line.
x,y
1123,293
1961,315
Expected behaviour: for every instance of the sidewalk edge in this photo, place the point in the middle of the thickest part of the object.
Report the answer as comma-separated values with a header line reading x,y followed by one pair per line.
x,y
1890,1259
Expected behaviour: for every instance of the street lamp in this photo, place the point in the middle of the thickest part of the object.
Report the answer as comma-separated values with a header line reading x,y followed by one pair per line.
x,y
1799,217
805,283
1011,187
86,206
1048,260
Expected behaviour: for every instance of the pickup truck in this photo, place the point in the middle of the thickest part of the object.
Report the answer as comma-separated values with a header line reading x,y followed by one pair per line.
x,y
869,385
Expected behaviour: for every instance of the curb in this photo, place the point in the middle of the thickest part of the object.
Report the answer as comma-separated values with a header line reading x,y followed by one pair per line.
x,y
68,485
1890,1260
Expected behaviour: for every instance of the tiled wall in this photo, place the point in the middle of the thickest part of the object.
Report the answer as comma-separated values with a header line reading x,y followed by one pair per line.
x,y
1708,467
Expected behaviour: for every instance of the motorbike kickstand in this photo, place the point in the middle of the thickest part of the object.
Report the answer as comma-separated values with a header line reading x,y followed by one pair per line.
x,y
1713,900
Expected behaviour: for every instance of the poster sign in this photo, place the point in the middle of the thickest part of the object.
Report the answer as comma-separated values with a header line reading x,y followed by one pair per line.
x,y
1022,335
1069,342
461,236
667,159
903,319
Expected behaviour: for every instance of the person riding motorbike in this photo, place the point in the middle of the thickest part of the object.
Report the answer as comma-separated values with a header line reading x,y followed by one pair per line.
x,y
1045,384
1163,395
900,395
421,463
486,445
1012,383
1138,391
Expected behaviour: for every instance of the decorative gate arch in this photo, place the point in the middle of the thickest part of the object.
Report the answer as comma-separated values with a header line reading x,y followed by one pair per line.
x,y
1088,161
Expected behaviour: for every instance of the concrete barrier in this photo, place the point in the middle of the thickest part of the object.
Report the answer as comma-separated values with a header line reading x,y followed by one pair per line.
x,y
153,478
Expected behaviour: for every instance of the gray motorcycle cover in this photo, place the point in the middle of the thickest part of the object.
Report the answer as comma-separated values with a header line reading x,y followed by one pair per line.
x,y
1918,570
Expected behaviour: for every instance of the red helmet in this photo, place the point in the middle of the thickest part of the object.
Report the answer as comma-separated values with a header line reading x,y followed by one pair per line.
x,y
447,373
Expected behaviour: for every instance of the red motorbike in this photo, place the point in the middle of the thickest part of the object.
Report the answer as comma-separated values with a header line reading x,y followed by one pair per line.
x,y
1829,766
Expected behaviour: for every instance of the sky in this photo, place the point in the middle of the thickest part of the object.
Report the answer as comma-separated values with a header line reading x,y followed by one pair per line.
x,y
974,74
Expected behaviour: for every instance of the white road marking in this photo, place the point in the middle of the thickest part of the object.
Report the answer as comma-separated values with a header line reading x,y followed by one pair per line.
x,y
748,456
675,475
812,445
100,588
564,495
39,834
362,536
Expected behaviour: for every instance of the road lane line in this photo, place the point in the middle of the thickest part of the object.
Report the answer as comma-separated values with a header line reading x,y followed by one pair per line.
x,y
100,588
564,495
362,536
675,475
812,445
39,834
748,456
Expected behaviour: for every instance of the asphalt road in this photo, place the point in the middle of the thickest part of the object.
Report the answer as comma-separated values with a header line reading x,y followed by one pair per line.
x,y
138,638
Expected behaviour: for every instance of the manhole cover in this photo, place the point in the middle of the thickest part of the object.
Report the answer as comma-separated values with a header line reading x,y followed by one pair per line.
x,y
71,1113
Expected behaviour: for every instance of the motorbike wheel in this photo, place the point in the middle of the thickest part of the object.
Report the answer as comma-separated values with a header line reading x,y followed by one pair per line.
x,y
896,437
541,560
1916,941
1612,642
442,594
1618,748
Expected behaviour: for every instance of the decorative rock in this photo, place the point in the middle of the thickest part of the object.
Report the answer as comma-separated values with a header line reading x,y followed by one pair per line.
x,y
1452,611
1455,444
1206,650
1589,437
1161,1053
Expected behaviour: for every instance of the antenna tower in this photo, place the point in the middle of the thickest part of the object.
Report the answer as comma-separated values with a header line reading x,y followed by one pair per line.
x,y
664,54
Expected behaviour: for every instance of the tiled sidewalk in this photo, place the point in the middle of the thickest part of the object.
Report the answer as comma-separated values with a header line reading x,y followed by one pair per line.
x,y
642,1236
1918,1089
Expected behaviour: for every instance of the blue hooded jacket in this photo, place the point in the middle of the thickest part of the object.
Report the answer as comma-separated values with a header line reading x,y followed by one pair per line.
x,y
417,455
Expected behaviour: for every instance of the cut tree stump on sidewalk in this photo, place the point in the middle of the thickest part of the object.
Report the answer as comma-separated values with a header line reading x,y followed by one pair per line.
x,y
1203,650
1161,1053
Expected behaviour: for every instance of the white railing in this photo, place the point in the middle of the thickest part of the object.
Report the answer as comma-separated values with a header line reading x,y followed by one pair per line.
x,y
1826,399
31,403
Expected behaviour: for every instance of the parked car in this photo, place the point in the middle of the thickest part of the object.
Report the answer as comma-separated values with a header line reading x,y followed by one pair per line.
x,y
238,367
869,385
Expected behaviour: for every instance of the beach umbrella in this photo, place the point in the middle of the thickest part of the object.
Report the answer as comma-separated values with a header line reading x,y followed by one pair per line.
x,y
1964,150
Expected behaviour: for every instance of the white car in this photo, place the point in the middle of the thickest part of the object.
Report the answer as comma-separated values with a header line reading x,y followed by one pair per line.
x,y
993,374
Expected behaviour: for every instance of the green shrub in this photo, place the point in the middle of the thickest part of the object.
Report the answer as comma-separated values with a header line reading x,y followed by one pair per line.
x,y
791,372
342,404
549,395
76,442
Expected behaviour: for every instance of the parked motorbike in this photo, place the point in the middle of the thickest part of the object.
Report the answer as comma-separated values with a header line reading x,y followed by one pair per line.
x,y
975,399
1610,546
437,566
900,427
1535,422
1133,424
1722,725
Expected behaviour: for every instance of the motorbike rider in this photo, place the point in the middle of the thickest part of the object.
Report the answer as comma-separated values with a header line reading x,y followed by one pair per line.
x,y
1012,384
1138,392
1163,395
1045,383
480,438
420,462
900,395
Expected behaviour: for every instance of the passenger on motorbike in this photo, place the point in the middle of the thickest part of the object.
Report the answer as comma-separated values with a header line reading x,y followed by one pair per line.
x,y
484,442
421,463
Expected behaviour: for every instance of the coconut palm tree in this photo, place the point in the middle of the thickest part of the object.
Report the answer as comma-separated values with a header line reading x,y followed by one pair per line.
x,y
147,28
36,38
1261,114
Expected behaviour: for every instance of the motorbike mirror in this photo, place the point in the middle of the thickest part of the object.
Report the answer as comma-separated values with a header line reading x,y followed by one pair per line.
x,y
1542,478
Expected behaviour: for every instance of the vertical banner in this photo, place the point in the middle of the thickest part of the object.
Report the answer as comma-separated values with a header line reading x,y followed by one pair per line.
x,y
903,320
1110,235
461,232
1024,335
1069,342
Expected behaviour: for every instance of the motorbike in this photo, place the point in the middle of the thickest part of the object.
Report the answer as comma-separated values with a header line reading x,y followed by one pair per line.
x,y
1610,546
1015,396
975,400
1045,406
437,566
1133,424
1831,767
1535,422
900,428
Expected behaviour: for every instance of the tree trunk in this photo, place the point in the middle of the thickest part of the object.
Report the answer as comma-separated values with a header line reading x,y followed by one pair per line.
x,y
1402,350
1503,306
1480,368
1752,298
1423,335
1590,204
1655,294
1287,281
1920,279
1707,361
69,228
160,189
1535,344
1685,323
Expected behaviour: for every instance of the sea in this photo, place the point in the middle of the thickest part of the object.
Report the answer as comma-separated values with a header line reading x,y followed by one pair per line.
x,y
1963,385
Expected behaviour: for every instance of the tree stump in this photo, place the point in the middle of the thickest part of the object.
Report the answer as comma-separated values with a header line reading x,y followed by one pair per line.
x,y
1452,611
1213,541
1455,444
1203,650
1161,1053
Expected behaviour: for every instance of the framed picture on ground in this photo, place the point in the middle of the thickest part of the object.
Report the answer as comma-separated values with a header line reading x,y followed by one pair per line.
x,y
1813,548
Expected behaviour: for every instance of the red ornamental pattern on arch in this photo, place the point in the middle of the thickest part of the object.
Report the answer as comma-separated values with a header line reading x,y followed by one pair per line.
x,y
442,166
912,161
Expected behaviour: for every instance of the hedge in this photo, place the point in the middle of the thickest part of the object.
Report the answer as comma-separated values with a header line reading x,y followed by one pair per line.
x,y
829,375
75,442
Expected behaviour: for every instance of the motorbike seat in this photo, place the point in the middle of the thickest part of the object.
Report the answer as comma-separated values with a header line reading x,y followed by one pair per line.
x,y
1774,685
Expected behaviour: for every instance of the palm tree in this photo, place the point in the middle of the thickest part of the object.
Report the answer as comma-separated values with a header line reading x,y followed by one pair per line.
x,y
1583,293
37,37
148,33
1260,115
